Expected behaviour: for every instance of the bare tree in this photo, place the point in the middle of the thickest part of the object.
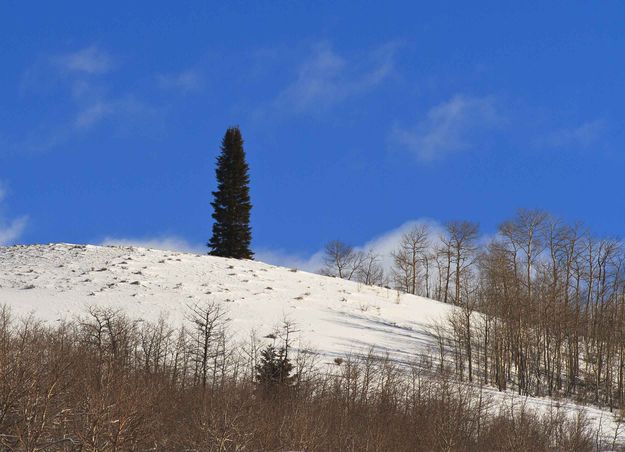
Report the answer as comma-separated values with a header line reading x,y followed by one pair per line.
x,y
54,395
525,232
444,258
341,260
370,271
461,240
427,260
209,320
408,258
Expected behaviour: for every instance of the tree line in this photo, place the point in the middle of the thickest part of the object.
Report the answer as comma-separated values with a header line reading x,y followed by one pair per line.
x,y
108,382
541,304
423,263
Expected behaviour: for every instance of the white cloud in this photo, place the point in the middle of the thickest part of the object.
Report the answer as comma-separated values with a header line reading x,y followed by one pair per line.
x,y
326,78
94,104
172,243
93,114
90,100
448,127
383,244
97,110
389,241
90,60
185,82
282,258
585,135
10,230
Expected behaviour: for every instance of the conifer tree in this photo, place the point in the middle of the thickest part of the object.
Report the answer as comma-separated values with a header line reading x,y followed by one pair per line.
x,y
231,204
274,369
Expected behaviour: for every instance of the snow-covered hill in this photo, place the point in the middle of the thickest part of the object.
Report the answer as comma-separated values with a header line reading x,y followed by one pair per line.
x,y
333,316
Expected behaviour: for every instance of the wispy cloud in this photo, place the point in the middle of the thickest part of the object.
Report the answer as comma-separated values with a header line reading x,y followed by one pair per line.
x,y
93,102
92,114
283,258
10,230
383,245
98,110
449,127
185,82
583,136
388,242
172,243
90,60
326,78
83,78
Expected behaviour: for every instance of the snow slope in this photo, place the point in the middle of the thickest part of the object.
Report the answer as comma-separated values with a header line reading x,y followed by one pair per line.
x,y
334,317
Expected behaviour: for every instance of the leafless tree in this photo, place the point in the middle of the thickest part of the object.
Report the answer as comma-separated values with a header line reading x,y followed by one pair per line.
x,y
370,271
428,258
461,239
341,260
525,233
208,320
408,258
56,393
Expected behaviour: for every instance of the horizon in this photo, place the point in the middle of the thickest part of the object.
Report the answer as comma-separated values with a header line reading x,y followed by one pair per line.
x,y
356,123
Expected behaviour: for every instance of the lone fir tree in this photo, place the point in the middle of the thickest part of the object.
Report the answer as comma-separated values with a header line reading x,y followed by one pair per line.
x,y
274,369
231,204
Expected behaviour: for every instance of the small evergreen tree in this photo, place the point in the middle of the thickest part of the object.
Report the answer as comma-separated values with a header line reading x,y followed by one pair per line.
x,y
274,369
231,204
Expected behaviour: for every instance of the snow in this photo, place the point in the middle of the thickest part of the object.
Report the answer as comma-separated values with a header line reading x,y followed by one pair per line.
x,y
334,317
56,282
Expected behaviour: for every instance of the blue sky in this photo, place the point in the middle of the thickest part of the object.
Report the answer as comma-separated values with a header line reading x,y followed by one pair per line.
x,y
358,117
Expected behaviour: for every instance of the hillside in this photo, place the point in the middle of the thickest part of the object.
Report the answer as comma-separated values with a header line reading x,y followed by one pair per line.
x,y
334,317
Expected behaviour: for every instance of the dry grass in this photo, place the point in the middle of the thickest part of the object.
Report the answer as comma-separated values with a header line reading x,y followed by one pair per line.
x,y
110,384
